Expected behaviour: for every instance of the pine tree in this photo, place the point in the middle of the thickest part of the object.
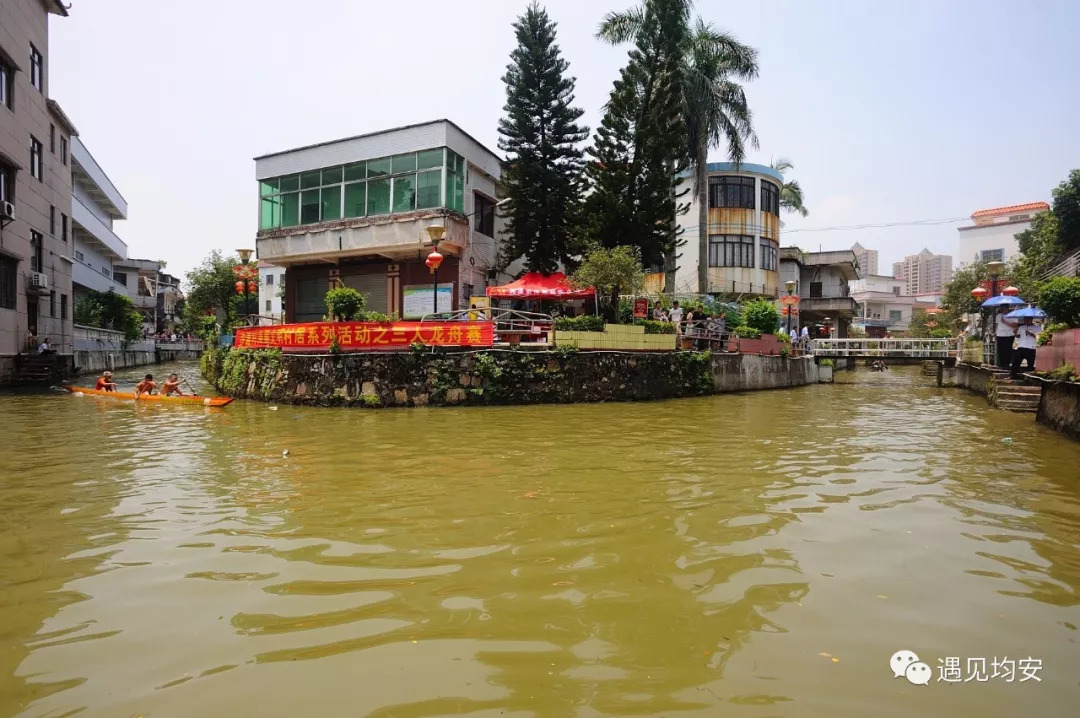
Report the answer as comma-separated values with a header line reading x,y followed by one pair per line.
x,y
639,149
541,138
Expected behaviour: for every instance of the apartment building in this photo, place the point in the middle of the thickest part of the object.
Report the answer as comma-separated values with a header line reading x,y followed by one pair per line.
x,y
95,204
991,236
924,273
354,212
35,188
744,232
867,260
271,280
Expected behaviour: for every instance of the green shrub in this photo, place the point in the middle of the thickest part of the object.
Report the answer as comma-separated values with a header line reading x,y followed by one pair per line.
x,y
784,353
827,362
344,304
1062,373
1046,334
761,314
746,332
377,317
586,323
940,333
974,340
784,337
1060,297
654,327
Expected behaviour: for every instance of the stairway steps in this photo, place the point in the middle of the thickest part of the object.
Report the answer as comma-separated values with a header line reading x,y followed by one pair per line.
x,y
1019,406
1023,390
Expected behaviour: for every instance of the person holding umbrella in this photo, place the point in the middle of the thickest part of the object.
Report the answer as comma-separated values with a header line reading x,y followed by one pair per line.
x,y
1026,338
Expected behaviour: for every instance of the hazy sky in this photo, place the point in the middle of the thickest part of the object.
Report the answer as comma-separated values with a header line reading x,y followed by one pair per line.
x,y
892,112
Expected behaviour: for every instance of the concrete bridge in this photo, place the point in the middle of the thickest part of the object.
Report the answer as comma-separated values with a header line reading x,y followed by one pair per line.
x,y
886,348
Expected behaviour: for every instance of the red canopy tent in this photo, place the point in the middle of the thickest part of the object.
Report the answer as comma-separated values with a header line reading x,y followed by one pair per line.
x,y
538,286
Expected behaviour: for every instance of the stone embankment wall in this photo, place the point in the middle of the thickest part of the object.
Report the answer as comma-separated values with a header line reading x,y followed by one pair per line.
x,y
1059,407
966,376
99,349
493,377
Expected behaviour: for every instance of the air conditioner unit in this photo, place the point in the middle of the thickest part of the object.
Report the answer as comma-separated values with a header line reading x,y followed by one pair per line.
x,y
39,281
7,210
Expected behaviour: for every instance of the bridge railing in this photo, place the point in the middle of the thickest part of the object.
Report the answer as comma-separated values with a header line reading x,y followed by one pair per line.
x,y
910,348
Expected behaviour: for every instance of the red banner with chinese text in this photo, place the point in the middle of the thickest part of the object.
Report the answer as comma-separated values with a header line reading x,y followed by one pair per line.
x,y
365,336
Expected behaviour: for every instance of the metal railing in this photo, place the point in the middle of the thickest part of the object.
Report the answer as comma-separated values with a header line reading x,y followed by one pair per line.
x,y
511,325
916,348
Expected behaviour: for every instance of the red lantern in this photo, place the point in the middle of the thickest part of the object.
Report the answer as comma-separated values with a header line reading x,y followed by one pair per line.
x,y
239,287
253,287
433,260
1010,291
979,293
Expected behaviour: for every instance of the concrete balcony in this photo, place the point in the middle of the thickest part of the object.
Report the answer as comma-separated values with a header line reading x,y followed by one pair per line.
x,y
86,276
94,232
395,236
840,306
87,173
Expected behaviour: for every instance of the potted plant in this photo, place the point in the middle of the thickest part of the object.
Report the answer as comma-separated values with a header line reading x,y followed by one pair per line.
x,y
825,371
749,339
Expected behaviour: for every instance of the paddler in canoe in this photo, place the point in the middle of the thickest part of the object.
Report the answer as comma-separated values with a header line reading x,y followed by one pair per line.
x,y
105,382
171,385
146,386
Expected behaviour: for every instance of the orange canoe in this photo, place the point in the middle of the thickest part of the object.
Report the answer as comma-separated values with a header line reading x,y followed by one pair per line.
x,y
130,396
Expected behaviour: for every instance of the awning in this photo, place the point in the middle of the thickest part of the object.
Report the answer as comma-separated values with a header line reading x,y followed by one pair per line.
x,y
538,286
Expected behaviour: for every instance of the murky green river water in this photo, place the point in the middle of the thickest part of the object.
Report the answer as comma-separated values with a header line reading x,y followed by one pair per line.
x,y
744,555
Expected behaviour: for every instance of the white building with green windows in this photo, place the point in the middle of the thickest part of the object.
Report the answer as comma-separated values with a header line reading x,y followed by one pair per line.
x,y
355,211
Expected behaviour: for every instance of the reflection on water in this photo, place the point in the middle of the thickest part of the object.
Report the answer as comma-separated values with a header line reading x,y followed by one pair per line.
x,y
747,555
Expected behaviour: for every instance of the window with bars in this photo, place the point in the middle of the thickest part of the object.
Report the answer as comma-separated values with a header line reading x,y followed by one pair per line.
x,y
37,69
769,250
7,84
37,168
9,271
731,250
35,250
770,197
731,192
388,185
484,209
992,255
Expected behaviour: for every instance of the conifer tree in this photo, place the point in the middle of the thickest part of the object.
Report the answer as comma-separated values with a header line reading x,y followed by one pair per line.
x,y
541,138
639,149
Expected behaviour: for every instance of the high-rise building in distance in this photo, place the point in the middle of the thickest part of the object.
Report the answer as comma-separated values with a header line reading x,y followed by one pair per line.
x,y
867,259
925,272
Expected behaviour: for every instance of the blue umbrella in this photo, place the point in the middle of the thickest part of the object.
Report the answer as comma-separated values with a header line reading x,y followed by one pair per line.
x,y
1003,300
1033,312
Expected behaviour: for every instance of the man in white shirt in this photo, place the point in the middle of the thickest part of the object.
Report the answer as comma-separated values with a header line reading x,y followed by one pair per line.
x,y
1026,336
1005,331
676,313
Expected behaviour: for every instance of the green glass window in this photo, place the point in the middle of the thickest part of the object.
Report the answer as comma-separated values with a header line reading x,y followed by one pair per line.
x,y
268,186
331,175
355,199
355,171
378,168
378,196
331,203
290,209
455,193
404,163
290,183
270,213
309,207
429,159
428,185
405,193
309,180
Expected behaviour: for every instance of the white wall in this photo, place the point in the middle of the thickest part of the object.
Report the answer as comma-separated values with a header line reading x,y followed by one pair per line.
x,y
977,239
878,283
269,291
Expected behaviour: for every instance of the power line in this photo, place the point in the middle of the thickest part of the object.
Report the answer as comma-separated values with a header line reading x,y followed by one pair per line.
x,y
877,225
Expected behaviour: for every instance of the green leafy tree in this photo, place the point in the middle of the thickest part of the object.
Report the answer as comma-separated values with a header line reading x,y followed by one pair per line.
x,y
109,310
791,195
640,146
611,271
345,304
956,297
1066,208
714,104
212,289
762,315
542,174
1060,297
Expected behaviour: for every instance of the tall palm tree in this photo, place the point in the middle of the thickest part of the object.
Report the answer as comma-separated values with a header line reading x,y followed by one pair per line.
x,y
791,197
714,104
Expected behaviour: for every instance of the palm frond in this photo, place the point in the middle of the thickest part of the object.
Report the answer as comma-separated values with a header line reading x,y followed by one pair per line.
x,y
739,60
791,198
782,164
619,27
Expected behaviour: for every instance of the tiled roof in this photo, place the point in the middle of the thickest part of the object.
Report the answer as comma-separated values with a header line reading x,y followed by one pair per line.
x,y
1012,209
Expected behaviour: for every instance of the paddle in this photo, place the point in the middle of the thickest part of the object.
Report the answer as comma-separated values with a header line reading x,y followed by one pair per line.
x,y
193,392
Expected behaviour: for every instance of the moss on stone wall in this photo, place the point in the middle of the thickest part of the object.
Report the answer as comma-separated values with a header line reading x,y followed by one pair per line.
x,y
420,378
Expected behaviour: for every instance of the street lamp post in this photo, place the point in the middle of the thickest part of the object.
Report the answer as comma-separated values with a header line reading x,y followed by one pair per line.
x,y
245,275
435,232
995,269
790,286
